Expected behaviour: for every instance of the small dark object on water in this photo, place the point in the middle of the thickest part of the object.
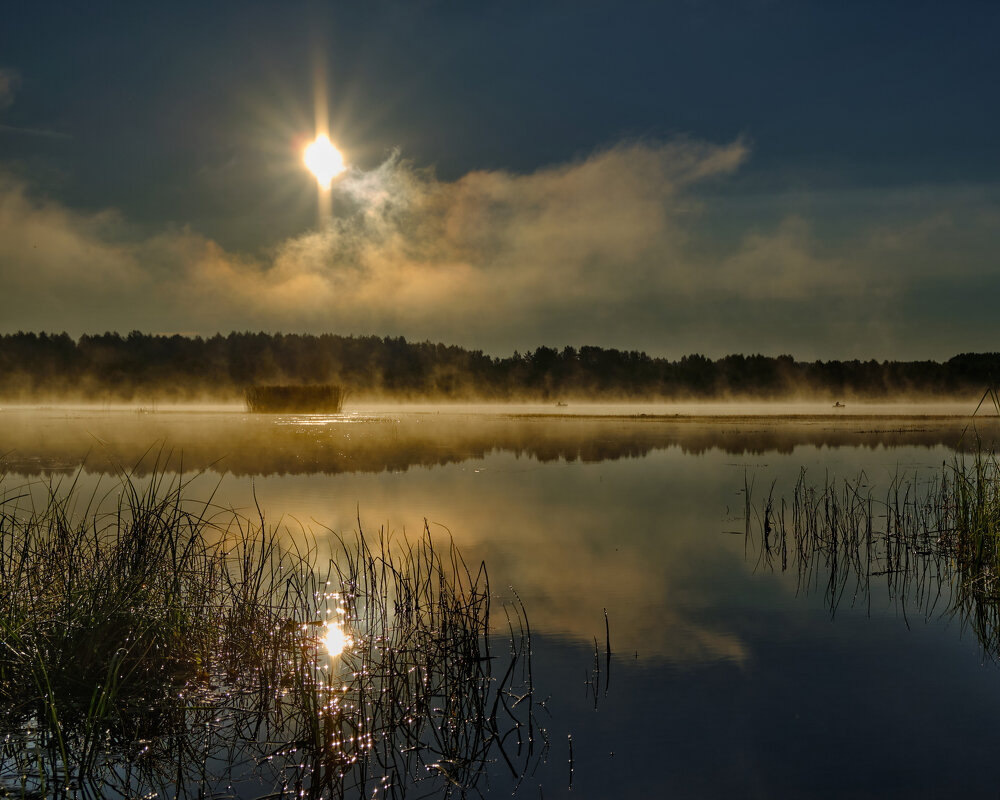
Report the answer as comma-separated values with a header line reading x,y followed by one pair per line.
x,y
320,398
838,404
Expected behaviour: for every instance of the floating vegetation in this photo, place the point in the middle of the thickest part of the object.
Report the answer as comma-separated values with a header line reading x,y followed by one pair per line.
x,y
321,398
170,648
932,545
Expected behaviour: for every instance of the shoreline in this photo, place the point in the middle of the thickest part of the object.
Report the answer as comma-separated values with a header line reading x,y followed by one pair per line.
x,y
679,411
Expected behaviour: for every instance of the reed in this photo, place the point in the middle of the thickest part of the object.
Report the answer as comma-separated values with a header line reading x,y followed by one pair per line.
x,y
173,647
933,546
324,398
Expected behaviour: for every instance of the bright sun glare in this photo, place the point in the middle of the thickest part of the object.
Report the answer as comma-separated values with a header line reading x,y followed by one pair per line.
x,y
336,640
324,160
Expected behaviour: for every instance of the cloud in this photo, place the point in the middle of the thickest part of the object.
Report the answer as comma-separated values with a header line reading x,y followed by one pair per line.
x,y
784,264
50,249
496,245
608,249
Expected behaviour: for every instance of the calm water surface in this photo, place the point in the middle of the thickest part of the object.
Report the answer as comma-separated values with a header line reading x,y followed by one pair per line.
x,y
725,680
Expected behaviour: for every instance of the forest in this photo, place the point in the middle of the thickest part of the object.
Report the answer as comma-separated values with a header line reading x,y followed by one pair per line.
x,y
140,367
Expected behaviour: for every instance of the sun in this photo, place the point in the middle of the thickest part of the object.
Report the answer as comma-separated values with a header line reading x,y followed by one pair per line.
x,y
324,160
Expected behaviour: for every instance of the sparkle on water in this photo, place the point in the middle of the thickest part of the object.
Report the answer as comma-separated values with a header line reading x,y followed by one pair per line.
x,y
324,160
335,639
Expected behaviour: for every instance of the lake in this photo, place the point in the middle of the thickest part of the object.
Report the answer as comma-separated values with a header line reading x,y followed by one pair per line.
x,y
622,529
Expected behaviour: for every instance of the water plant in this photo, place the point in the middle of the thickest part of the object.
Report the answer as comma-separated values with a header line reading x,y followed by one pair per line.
x,y
930,545
324,398
157,646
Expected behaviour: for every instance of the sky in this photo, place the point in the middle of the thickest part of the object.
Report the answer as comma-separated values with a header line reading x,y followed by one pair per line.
x,y
814,178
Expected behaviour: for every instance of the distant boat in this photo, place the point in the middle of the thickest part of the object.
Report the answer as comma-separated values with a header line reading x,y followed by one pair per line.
x,y
838,404
317,398
561,404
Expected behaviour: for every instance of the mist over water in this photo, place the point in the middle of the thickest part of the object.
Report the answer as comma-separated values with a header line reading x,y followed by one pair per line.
x,y
391,437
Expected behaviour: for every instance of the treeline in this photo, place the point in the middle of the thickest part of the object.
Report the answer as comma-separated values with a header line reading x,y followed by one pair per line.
x,y
139,367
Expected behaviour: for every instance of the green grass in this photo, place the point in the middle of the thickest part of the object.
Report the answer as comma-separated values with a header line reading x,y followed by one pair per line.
x,y
174,648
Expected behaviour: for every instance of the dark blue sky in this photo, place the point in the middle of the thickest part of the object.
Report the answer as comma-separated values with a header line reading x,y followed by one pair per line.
x,y
192,115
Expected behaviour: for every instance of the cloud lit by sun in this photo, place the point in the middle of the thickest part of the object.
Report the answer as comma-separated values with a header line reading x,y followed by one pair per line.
x,y
324,160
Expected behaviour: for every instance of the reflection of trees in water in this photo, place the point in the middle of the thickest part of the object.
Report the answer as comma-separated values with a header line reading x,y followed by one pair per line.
x,y
241,445
159,650
932,547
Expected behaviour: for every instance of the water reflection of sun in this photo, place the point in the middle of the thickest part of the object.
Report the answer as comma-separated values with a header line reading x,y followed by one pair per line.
x,y
336,639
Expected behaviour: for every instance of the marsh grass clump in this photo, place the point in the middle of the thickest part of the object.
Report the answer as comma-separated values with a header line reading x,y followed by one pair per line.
x,y
933,545
420,698
975,514
166,646
323,398
100,617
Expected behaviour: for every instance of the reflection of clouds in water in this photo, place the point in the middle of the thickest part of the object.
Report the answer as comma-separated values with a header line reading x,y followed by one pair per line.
x,y
562,542
568,600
